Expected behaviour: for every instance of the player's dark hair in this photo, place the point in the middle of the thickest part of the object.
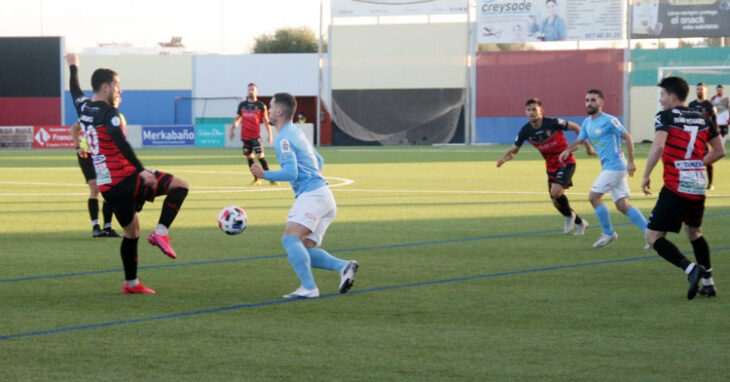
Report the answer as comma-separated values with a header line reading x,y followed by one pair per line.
x,y
596,92
675,85
719,86
100,77
287,102
533,100
252,84
551,1
701,84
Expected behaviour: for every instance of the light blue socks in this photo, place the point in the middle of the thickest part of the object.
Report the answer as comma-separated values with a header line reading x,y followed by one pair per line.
x,y
604,218
322,259
299,260
637,218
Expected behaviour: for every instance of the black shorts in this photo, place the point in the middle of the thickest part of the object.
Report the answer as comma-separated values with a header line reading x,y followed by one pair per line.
x,y
87,167
563,177
252,145
129,195
671,210
723,130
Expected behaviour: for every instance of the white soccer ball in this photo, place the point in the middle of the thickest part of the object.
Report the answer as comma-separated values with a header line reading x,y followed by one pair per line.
x,y
232,220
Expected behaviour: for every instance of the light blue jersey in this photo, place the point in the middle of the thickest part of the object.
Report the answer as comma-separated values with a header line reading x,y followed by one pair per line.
x,y
301,165
605,133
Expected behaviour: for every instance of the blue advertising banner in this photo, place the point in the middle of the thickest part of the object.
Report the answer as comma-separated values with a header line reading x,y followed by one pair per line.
x,y
210,135
161,136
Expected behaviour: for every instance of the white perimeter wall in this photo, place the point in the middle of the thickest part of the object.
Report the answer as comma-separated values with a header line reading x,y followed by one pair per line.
x,y
229,76
413,56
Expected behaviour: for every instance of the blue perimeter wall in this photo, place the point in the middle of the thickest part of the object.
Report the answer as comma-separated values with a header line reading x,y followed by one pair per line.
x,y
503,130
143,107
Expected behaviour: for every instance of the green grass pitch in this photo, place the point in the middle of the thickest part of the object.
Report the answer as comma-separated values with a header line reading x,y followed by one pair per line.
x,y
465,276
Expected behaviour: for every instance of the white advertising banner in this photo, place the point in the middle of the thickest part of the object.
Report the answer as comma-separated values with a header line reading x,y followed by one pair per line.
x,y
360,8
511,21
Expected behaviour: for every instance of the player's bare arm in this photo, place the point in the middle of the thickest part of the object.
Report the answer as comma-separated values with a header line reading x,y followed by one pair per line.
x,y
509,155
265,120
717,152
236,122
655,153
589,148
571,148
75,128
630,166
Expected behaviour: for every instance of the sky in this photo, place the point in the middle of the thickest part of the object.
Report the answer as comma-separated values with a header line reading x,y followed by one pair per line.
x,y
207,26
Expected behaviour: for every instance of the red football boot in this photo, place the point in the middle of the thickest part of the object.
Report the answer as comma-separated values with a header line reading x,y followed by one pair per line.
x,y
162,241
126,289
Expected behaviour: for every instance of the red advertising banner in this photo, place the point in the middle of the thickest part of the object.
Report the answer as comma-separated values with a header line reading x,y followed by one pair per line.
x,y
52,137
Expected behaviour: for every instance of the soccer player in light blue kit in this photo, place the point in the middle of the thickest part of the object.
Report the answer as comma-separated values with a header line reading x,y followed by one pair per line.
x,y
605,133
314,207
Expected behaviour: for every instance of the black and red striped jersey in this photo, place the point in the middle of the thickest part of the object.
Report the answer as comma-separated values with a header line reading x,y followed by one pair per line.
x,y
549,139
252,114
104,129
705,107
688,133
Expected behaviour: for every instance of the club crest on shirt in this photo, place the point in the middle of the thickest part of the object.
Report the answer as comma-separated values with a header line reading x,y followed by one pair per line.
x,y
597,131
116,121
285,146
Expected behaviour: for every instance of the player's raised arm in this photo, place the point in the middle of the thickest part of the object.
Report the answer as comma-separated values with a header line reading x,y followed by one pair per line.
x,y
73,66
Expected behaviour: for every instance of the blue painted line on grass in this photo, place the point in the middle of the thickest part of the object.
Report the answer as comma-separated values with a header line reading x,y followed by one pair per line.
x,y
330,295
268,257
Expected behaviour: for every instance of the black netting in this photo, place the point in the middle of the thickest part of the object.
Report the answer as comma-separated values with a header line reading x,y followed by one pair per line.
x,y
399,116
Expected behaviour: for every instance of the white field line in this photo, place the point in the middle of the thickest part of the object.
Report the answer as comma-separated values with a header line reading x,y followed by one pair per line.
x,y
343,182
195,190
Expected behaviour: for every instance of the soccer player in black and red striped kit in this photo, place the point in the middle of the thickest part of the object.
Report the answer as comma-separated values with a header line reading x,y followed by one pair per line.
x,y
250,114
87,169
120,176
546,134
680,141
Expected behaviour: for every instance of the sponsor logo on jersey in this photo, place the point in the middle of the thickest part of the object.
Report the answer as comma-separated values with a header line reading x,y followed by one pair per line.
x,y
285,146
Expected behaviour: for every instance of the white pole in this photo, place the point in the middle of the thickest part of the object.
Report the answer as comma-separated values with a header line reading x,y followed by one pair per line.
x,y
318,128
628,67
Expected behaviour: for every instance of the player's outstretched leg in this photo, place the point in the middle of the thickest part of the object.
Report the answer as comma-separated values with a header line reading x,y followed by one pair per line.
x,y
323,260
176,194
